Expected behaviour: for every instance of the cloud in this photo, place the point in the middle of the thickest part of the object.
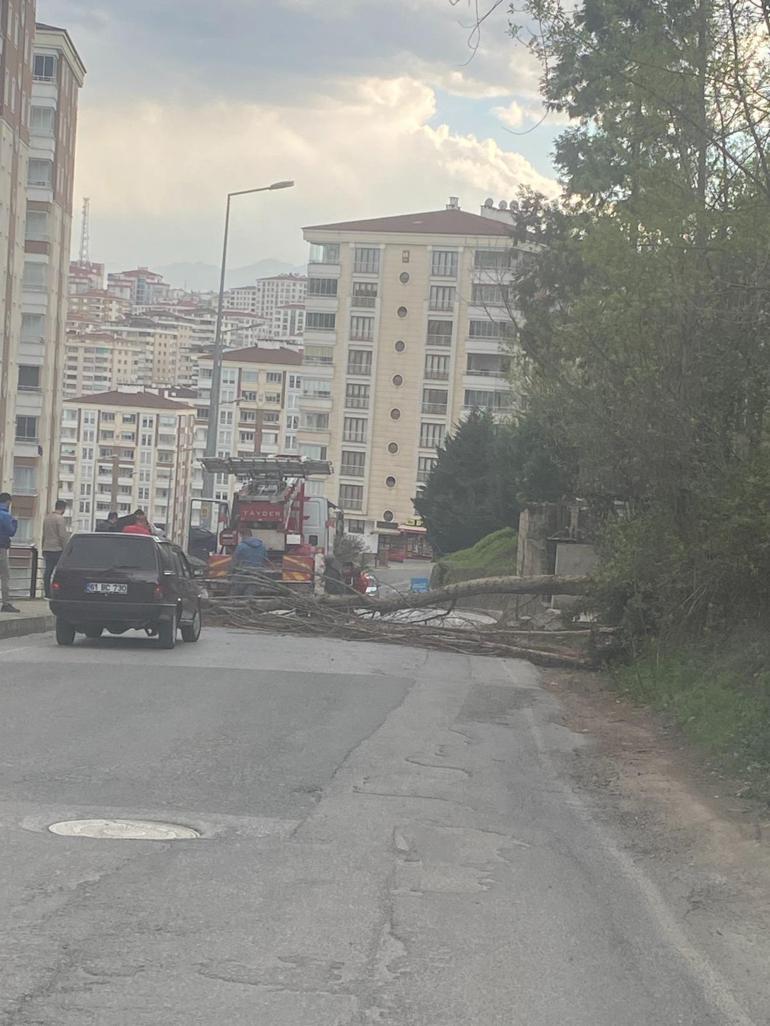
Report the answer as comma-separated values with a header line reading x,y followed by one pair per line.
x,y
512,116
160,171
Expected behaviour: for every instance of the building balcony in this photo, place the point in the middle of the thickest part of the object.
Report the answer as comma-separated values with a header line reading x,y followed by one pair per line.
x,y
318,361
436,375
351,470
435,409
444,341
363,302
356,403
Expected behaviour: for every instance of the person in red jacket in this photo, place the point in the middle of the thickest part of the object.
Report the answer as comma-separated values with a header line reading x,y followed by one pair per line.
x,y
139,526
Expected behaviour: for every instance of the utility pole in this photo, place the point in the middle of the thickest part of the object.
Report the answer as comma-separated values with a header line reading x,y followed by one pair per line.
x,y
216,370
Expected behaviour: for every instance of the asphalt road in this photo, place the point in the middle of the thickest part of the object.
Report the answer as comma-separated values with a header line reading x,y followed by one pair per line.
x,y
389,837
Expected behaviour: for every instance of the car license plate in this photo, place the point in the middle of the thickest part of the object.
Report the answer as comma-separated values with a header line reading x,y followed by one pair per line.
x,y
107,589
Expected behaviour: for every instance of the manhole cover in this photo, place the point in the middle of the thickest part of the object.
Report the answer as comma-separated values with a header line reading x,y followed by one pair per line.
x,y
124,830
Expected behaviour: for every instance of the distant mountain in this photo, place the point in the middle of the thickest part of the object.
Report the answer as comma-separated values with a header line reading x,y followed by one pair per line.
x,y
200,277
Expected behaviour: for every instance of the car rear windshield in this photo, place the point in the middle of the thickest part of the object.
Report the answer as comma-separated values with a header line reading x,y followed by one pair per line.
x,y
110,551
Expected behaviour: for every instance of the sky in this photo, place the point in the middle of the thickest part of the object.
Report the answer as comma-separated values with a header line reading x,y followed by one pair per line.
x,y
371,106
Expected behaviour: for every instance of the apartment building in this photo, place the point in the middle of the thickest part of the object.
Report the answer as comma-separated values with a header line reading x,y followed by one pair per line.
x,y
97,305
84,276
406,329
267,294
42,74
141,287
99,361
259,407
125,450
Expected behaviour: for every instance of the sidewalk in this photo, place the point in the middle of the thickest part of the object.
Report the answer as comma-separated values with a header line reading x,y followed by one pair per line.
x,y
34,618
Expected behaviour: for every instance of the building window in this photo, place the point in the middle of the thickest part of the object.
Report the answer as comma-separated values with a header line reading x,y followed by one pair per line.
x,y
315,321
36,228
476,398
362,328
443,263
26,429
402,311
44,67
390,482
29,378
489,295
434,401
404,277
431,435
35,276
393,447
352,464
425,467
274,377
398,380
356,396
40,173
364,294
360,362
322,287
351,496
355,526
313,452
24,480
42,121
436,367
32,327
492,258
395,414
366,260
439,333
400,346
354,429
325,253
490,329
317,388
314,421
442,297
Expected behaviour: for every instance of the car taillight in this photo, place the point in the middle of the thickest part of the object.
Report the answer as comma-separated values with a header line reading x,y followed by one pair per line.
x,y
55,586
157,592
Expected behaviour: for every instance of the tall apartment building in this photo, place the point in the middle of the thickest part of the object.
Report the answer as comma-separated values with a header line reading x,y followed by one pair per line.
x,y
41,74
259,407
267,294
125,450
96,305
406,329
99,361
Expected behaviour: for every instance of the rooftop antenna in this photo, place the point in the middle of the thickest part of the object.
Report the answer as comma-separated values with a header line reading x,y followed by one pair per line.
x,y
85,236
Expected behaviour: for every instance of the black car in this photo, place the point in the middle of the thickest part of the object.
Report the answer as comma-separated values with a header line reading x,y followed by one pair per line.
x,y
121,582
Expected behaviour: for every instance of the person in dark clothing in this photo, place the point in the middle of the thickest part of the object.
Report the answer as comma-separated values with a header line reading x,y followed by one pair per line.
x,y
8,527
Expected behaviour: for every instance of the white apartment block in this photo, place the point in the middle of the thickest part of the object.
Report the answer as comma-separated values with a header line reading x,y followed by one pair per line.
x,y
268,297
41,74
259,407
97,306
406,329
99,361
127,450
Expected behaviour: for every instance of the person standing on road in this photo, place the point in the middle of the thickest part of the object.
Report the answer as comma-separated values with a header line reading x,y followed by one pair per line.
x,y
55,535
8,526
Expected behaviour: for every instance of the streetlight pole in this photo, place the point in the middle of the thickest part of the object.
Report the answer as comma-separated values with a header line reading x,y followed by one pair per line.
x,y
216,371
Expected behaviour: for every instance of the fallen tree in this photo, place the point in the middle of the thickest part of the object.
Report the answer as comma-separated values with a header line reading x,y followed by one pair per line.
x,y
356,617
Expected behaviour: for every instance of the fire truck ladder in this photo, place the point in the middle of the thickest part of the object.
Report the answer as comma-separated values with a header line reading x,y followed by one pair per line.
x,y
267,468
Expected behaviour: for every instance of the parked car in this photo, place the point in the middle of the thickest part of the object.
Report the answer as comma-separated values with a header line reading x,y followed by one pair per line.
x,y
121,582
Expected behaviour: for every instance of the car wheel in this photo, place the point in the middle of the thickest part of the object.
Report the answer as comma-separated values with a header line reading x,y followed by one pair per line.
x,y
94,632
65,632
192,631
167,632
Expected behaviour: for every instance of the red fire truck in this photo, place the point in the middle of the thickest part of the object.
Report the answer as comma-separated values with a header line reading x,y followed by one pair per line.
x,y
272,502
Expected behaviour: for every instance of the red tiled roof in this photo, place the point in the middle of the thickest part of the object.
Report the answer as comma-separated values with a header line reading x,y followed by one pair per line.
x,y
432,222
255,354
137,400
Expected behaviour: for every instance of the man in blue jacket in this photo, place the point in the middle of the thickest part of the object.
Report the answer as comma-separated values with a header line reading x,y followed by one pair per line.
x,y
8,526
250,555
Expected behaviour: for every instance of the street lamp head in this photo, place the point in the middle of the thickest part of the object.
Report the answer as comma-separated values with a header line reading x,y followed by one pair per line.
x,y
282,185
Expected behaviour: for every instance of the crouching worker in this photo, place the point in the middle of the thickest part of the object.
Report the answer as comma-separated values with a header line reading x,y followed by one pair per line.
x,y
249,558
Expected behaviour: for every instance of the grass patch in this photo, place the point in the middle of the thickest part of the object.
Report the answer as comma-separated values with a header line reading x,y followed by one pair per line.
x,y
496,553
719,695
